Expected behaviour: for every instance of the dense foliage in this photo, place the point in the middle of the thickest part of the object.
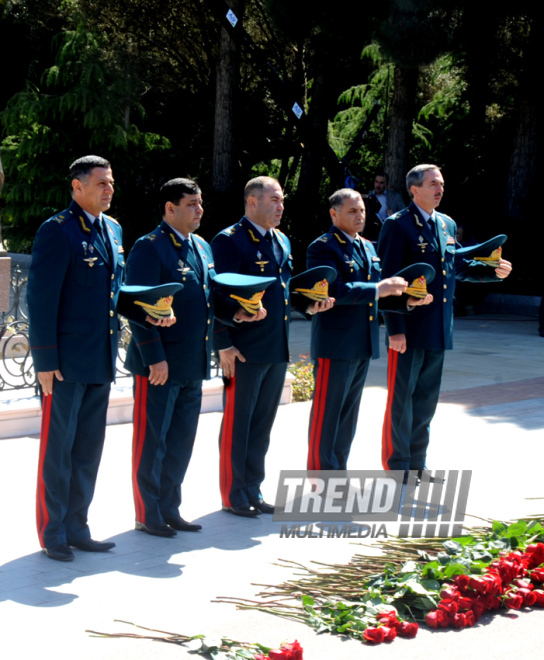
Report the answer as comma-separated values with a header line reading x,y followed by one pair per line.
x,y
169,89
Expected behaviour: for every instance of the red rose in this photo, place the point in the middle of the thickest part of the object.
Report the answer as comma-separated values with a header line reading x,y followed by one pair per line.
x,y
539,602
374,635
409,629
537,575
459,620
464,603
389,619
535,555
278,654
449,592
529,598
513,601
462,581
437,619
294,649
479,585
260,656
449,606
523,584
389,634
470,618
478,608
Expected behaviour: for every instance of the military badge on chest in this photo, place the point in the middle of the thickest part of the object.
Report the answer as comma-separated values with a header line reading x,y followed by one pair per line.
x,y
349,262
422,245
89,260
260,262
183,269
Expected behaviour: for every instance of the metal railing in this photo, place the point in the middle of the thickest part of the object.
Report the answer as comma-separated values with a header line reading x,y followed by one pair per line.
x,y
16,367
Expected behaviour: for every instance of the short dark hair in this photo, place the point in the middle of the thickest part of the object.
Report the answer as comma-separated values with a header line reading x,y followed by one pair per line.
x,y
254,187
416,175
382,173
82,167
339,197
174,190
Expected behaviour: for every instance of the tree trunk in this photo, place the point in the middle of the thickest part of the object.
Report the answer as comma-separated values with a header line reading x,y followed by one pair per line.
x,y
224,165
400,126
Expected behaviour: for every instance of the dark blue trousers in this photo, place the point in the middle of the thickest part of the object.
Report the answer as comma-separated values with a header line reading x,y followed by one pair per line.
x,y
413,388
165,425
335,409
250,402
71,441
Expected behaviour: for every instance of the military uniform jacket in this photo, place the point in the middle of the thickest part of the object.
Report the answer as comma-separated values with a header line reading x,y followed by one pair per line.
x,y
242,249
350,329
72,297
407,239
157,258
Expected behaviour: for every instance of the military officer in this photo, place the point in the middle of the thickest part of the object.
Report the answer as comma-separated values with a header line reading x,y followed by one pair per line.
x,y
345,338
77,267
417,340
170,363
253,349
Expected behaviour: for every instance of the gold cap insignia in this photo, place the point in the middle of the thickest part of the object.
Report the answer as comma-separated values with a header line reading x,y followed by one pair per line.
x,y
418,288
251,305
319,291
160,310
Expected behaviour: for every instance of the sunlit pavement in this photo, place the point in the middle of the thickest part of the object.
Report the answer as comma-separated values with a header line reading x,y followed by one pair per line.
x,y
490,421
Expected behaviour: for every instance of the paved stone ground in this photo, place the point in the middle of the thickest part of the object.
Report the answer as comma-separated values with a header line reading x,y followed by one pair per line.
x,y
490,420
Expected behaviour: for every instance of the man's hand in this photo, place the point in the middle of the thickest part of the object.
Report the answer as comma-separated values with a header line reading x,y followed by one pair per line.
x,y
503,269
398,343
242,315
416,302
391,286
158,373
46,379
227,360
163,323
320,306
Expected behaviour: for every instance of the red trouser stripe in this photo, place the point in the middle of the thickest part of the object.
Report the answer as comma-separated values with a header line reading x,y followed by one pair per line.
x,y
42,514
318,412
387,441
138,441
225,455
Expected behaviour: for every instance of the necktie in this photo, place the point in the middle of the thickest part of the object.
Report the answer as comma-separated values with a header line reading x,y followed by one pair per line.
x,y
101,230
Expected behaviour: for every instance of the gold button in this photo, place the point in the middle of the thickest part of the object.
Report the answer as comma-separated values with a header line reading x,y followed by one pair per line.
x,y
204,286
111,332
368,276
209,321
283,284
111,312
285,318
443,272
371,304
209,305
111,295
279,269
370,318
286,302
207,338
445,300
183,279
113,277
443,259
445,286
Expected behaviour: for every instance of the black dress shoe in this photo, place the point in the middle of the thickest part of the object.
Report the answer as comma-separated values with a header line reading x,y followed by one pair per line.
x,y
182,525
90,545
60,552
156,529
245,511
262,506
